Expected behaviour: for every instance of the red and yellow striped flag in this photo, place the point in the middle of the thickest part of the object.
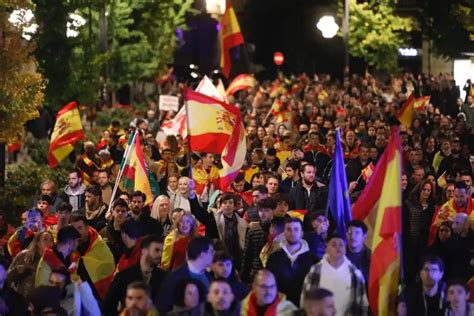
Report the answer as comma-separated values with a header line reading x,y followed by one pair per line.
x,y
241,82
421,103
379,206
216,127
368,171
229,37
441,181
405,115
67,131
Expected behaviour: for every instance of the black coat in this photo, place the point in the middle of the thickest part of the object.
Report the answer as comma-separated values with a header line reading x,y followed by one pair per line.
x,y
290,277
118,287
255,239
149,225
165,301
317,199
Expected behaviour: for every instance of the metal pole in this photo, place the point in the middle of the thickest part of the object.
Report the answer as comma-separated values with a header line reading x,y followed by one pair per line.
x,y
345,26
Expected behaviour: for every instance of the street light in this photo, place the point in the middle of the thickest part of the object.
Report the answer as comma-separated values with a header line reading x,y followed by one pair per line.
x,y
327,26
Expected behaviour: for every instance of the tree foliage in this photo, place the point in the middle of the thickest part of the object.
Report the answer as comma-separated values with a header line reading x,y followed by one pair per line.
x,y
140,36
447,24
21,87
376,33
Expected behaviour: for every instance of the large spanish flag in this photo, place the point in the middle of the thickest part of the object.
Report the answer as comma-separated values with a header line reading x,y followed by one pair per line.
x,y
379,206
229,37
137,175
216,127
241,82
67,131
405,115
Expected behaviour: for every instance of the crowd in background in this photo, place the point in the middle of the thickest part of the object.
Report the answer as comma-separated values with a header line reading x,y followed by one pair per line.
x,y
265,245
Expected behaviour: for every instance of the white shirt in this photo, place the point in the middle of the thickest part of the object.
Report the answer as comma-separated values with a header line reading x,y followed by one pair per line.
x,y
338,281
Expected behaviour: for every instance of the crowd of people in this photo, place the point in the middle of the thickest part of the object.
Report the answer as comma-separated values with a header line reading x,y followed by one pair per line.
x,y
266,245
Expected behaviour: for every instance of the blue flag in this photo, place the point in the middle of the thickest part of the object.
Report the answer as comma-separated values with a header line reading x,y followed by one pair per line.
x,y
339,204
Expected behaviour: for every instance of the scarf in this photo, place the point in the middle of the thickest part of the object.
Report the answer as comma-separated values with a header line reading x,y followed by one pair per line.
x,y
253,308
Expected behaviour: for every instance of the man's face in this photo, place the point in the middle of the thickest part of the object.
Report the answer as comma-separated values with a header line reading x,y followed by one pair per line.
x,y
265,214
73,180
207,160
309,174
83,230
289,172
281,209
355,237
404,182
153,253
418,175
460,197
91,199
373,153
324,307
457,296
430,274
222,269
137,204
47,189
239,186
173,183
467,179
293,233
336,249
363,153
57,279
272,186
136,298
43,206
103,179
270,159
265,289
120,214
460,224
258,196
191,296
220,296
166,155
208,256
228,207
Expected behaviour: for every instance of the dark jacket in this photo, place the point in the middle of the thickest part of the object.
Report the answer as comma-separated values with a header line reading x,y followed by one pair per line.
x,y
149,225
164,304
118,287
234,310
255,239
290,276
317,199
316,244
113,239
418,305
239,289
16,304
362,261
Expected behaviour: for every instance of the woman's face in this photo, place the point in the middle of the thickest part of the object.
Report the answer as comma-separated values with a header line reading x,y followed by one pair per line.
x,y
426,191
261,132
371,131
185,225
444,233
183,186
45,241
164,208
449,192
191,296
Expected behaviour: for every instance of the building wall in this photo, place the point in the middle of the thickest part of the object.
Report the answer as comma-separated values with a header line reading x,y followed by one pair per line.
x,y
432,64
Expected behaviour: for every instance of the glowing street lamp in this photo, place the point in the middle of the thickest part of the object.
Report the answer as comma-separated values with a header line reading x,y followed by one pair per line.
x,y
328,27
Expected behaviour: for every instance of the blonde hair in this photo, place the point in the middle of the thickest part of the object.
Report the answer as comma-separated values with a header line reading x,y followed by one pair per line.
x,y
155,209
193,232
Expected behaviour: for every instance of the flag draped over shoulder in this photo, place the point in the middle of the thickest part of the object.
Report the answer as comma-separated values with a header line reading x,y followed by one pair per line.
x,y
379,205
241,82
405,115
229,37
216,127
136,174
67,131
339,204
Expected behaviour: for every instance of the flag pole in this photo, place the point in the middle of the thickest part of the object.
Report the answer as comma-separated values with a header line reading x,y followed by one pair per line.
x,y
189,140
120,174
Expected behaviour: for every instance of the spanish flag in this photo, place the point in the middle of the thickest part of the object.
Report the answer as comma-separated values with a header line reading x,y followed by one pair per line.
x,y
368,171
379,206
421,103
229,37
405,115
241,82
441,181
137,175
67,131
216,127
